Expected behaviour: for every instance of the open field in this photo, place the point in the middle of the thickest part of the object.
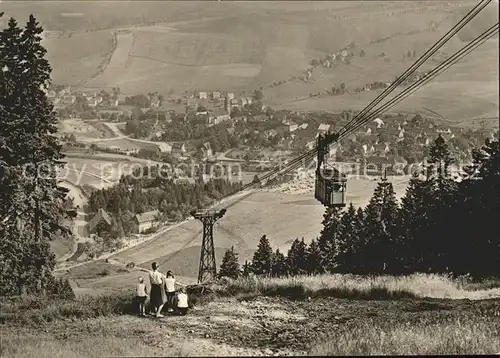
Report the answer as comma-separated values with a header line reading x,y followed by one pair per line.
x,y
83,130
464,92
97,171
345,315
73,61
117,63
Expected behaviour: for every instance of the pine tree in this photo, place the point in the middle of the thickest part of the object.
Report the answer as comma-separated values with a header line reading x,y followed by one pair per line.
x,y
297,258
379,230
477,243
349,232
247,269
445,195
440,157
30,153
279,264
230,266
313,258
416,246
327,241
263,258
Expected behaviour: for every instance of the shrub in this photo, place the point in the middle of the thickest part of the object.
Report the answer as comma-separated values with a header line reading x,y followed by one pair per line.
x,y
61,288
36,311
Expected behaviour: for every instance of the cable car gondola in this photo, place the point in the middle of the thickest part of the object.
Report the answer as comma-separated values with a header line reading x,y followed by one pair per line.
x,y
330,184
330,187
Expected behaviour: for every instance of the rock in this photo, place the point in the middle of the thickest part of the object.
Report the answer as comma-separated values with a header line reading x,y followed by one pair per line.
x,y
207,335
268,352
190,331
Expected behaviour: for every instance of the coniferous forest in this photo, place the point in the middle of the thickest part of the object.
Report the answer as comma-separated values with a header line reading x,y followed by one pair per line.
x,y
441,225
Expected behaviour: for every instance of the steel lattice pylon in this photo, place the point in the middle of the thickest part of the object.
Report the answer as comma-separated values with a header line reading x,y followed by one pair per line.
x,y
208,266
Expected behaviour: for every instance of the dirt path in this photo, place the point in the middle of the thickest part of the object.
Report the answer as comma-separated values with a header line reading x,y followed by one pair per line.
x,y
271,326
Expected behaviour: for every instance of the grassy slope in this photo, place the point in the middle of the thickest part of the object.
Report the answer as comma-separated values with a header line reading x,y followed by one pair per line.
x,y
353,316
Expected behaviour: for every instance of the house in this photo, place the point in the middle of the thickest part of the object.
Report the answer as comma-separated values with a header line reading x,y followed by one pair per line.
x,y
203,95
304,126
164,147
179,148
100,217
92,102
230,96
233,102
323,128
218,116
147,220
215,95
243,101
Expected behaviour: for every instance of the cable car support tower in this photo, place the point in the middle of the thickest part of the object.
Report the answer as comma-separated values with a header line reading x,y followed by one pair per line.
x,y
208,267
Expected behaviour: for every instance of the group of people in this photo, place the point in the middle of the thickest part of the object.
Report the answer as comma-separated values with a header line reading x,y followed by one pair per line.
x,y
162,292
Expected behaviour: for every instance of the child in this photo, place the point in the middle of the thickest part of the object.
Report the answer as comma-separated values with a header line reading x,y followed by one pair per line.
x,y
141,296
170,291
182,301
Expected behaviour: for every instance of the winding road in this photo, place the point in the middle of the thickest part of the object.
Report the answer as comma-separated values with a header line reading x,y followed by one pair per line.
x,y
80,201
